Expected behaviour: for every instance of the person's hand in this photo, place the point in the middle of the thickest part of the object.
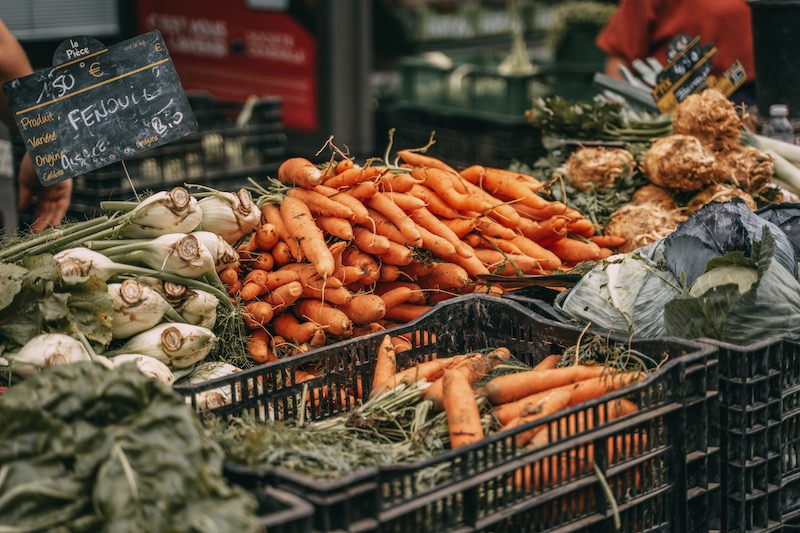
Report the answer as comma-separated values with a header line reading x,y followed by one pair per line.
x,y
51,202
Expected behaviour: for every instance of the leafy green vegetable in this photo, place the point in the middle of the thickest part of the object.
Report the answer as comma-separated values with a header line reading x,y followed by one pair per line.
x,y
87,449
719,228
37,301
625,293
595,121
735,309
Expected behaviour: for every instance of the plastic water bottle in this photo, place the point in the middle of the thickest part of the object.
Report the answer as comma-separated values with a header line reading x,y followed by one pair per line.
x,y
778,125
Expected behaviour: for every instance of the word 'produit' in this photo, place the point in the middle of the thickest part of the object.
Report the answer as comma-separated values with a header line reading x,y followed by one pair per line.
x,y
96,112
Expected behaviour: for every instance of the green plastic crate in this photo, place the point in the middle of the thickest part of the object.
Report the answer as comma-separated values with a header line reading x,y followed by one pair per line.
x,y
472,87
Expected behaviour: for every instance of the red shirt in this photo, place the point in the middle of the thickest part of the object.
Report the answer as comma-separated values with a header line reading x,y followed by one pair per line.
x,y
642,28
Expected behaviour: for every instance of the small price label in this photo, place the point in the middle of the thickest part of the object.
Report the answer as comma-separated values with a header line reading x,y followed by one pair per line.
x,y
688,71
98,105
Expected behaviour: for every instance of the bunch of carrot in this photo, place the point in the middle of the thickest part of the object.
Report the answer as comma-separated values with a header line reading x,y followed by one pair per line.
x,y
518,399
354,249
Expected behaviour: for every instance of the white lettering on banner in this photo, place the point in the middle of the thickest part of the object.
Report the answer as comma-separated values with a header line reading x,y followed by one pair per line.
x,y
275,46
199,46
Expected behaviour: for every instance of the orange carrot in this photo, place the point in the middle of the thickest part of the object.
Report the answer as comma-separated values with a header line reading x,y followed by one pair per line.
x,y
264,261
514,386
372,327
319,204
385,227
546,258
406,202
381,203
490,228
354,257
396,296
389,273
362,191
548,362
460,226
433,202
407,312
308,276
428,370
235,288
476,364
271,214
278,278
385,363
255,284
347,178
419,160
490,243
446,276
509,264
299,172
417,269
359,216
544,231
369,242
501,212
553,402
504,186
288,327
589,389
574,251
446,185
427,220
338,227
608,241
438,246
461,408
258,347
581,226
397,255
282,297
400,182
228,276
282,254
343,165
265,237
334,320
401,344
332,295
300,225
472,265
364,308
257,314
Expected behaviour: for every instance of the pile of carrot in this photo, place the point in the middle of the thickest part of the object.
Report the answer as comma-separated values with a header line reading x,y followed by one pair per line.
x,y
518,399
355,249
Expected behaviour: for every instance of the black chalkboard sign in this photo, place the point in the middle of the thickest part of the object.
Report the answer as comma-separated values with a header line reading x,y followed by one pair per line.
x,y
98,105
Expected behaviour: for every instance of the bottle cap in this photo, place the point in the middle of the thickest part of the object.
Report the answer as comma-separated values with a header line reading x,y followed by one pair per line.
x,y
778,110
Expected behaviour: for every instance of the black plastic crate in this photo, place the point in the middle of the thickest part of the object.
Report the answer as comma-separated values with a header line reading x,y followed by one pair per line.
x,y
537,299
759,398
480,493
283,512
462,141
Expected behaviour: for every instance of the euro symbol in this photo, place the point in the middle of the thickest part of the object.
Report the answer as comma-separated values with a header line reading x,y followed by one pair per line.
x,y
94,69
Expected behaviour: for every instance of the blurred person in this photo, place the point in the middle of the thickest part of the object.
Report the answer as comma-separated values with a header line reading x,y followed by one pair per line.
x,y
645,28
52,201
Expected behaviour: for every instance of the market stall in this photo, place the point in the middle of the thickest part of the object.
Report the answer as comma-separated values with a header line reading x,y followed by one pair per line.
x,y
229,336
